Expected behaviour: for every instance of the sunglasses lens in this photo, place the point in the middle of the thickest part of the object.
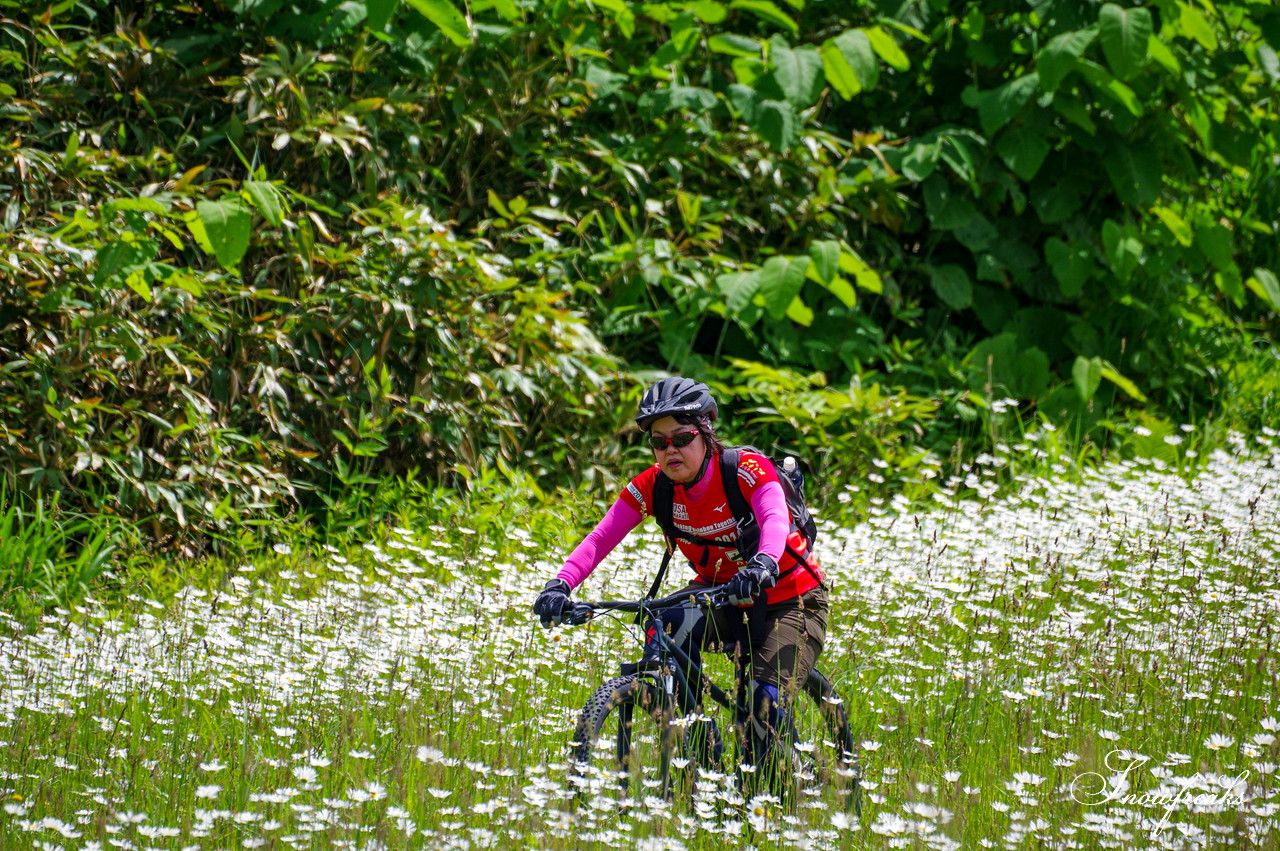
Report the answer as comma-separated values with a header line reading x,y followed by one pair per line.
x,y
679,441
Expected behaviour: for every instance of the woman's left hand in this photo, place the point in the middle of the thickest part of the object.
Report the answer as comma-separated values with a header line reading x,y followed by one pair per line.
x,y
761,573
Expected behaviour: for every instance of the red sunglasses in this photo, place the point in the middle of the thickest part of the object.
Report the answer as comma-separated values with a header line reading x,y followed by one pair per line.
x,y
679,441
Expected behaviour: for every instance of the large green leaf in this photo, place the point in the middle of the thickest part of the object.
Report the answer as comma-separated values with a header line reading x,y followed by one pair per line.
x,y
622,15
977,234
1076,112
953,286
749,71
746,101
708,11
887,49
267,199
1072,265
1056,202
767,11
604,81
965,151
227,225
1192,22
1266,286
1023,149
378,13
947,205
1124,34
781,279
1176,224
825,255
921,157
1057,58
998,362
1269,61
446,16
1217,244
841,289
1123,248
683,41
839,72
119,258
1103,81
997,107
679,98
1160,52
1086,373
736,45
777,123
849,62
506,8
1113,375
738,289
798,72
867,278
1135,172
799,312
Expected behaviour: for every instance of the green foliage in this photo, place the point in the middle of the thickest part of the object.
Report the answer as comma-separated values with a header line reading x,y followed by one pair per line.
x,y
49,559
844,434
258,259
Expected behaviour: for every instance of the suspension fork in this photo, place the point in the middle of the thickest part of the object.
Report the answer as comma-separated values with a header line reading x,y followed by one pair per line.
x,y
685,669
680,672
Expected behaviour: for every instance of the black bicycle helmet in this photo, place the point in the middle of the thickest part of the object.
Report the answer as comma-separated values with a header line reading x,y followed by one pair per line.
x,y
676,395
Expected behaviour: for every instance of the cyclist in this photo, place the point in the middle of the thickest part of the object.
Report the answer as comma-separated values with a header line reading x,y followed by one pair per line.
x,y
784,634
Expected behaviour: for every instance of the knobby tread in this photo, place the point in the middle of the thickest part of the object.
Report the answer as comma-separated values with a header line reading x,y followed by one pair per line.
x,y
643,694
604,700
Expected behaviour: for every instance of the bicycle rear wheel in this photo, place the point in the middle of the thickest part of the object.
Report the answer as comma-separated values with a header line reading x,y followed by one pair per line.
x,y
627,728
812,753
824,750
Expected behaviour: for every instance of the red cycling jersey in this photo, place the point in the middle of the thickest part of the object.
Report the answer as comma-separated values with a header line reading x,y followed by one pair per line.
x,y
710,517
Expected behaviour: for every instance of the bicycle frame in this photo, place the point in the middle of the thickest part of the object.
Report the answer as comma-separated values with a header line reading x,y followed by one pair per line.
x,y
671,670
685,667
670,665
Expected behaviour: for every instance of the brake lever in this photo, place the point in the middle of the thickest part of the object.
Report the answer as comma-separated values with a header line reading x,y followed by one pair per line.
x,y
711,599
580,613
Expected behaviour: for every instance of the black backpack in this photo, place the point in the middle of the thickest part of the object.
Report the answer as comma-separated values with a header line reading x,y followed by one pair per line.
x,y
749,539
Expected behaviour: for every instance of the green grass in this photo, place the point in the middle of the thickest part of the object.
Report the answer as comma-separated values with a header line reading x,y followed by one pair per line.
x,y
995,653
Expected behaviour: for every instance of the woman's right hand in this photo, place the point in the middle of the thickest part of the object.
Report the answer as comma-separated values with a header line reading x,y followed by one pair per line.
x,y
553,603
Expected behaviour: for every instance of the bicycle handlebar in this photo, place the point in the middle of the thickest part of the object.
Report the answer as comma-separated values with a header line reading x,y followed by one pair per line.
x,y
713,596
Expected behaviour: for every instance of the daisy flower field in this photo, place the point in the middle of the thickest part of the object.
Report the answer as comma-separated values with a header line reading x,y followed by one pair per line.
x,y
1082,661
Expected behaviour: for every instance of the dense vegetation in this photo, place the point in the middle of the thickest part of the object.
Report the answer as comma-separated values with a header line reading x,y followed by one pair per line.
x,y
258,256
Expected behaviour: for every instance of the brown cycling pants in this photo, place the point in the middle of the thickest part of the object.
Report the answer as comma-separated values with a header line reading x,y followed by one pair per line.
x,y
789,644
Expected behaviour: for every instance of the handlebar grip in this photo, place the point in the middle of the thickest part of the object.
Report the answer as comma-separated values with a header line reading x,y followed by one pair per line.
x,y
580,614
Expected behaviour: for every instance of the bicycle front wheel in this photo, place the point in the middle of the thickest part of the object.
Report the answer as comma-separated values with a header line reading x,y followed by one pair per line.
x,y
627,729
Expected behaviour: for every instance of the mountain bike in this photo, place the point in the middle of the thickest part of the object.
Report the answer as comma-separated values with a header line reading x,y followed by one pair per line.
x,y
658,747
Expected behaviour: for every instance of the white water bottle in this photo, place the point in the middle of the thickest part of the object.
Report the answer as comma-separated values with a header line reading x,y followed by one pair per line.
x,y
793,472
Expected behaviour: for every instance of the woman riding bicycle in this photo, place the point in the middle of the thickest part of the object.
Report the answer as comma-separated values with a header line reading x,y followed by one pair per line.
x,y
785,632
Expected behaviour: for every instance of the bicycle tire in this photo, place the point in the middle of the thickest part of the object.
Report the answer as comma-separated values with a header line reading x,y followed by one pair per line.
x,y
612,707
816,748
840,764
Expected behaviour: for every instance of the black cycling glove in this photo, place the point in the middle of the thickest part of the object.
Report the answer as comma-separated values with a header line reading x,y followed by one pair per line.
x,y
760,573
553,602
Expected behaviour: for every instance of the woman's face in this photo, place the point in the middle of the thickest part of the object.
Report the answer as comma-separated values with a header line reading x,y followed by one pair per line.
x,y
680,464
